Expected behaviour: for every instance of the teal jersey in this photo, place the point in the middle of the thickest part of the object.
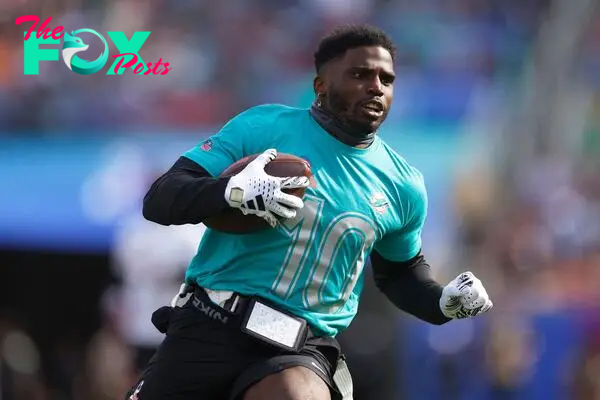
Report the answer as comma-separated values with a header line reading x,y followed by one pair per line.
x,y
312,265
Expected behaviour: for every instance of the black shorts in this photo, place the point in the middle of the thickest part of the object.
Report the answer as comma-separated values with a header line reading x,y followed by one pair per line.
x,y
201,358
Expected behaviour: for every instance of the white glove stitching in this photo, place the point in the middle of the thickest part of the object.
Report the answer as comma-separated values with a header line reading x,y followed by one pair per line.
x,y
464,297
255,192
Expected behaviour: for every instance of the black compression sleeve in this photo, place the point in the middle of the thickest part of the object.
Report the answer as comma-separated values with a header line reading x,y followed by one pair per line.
x,y
410,287
185,194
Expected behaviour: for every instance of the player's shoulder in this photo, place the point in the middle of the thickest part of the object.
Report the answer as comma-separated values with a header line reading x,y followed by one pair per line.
x,y
399,167
275,122
270,113
407,180
264,126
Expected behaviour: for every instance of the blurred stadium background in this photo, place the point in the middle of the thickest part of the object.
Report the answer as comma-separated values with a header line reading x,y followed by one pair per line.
x,y
497,102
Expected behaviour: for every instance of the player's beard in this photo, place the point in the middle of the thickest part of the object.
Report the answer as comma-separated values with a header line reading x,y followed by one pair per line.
x,y
334,111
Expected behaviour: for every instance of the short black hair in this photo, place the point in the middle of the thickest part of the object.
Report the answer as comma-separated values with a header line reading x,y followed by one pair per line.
x,y
346,37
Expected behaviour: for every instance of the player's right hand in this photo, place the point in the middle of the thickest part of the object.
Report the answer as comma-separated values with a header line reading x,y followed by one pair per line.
x,y
255,192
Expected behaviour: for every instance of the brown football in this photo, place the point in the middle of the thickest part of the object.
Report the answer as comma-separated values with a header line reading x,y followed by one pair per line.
x,y
232,220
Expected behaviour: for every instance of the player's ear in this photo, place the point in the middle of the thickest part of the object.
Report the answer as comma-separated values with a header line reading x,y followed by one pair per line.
x,y
319,86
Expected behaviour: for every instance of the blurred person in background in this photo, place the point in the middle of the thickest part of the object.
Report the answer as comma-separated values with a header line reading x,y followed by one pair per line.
x,y
206,351
109,361
21,377
510,354
150,260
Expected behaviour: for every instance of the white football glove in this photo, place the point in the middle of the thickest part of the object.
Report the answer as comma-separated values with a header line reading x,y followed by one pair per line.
x,y
464,297
254,192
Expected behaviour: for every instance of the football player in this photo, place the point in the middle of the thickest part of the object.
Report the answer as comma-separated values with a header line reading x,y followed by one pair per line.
x,y
259,313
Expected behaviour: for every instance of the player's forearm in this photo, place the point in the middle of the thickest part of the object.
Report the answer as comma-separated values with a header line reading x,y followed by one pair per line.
x,y
410,287
186,194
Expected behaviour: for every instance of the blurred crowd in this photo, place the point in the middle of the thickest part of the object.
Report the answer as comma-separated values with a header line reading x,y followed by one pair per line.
x,y
531,229
455,57
529,226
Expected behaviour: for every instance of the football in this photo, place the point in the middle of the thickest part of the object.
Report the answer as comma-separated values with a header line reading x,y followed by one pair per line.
x,y
232,220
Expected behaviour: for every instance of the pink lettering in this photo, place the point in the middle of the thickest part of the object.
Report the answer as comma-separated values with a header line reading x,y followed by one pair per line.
x,y
138,68
166,70
130,63
56,33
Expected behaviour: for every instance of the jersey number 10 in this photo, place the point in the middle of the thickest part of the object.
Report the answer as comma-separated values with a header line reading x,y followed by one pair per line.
x,y
324,260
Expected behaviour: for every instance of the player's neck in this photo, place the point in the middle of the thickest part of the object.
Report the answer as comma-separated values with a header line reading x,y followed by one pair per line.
x,y
338,130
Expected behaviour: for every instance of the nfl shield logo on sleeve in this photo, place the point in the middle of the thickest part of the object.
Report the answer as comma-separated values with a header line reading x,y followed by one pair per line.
x,y
207,145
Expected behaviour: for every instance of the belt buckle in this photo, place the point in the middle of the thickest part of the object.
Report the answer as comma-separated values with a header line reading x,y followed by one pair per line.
x,y
274,326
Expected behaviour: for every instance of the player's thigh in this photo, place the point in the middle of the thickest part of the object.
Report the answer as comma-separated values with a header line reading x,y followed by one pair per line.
x,y
199,358
294,383
180,370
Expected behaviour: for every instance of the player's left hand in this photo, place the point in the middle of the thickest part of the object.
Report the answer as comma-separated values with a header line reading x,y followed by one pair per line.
x,y
464,297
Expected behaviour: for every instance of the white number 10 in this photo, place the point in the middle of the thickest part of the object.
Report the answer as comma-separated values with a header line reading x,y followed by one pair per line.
x,y
302,230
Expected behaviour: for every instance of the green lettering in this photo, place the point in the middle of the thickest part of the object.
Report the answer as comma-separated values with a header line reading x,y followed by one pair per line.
x,y
33,54
128,46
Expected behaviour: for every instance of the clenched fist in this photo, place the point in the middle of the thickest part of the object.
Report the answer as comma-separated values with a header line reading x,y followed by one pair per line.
x,y
464,297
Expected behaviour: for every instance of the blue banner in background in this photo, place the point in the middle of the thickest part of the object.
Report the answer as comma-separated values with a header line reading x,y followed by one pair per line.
x,y
67,193
458,361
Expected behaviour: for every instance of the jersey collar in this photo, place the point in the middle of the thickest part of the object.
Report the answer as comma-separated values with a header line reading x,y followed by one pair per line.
x,y
338,130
